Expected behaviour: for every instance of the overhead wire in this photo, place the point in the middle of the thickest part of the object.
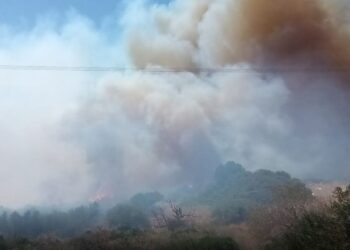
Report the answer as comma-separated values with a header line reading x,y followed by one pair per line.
x,y
157,70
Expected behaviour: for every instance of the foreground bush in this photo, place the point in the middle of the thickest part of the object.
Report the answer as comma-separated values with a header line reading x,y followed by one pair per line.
x,y
127,216
205,243
313,231
320,230
124,240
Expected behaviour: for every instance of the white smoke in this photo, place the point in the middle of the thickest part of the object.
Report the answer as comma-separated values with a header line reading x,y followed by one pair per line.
x,y
37,166
144,130
153,130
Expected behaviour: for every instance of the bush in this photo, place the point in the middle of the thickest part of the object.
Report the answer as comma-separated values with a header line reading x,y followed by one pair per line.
x,y
313,231
328,229
204,243
341,207
146,200
127,216
230,214
236,191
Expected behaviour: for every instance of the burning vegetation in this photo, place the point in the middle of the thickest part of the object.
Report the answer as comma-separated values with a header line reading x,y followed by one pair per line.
x,y
238,209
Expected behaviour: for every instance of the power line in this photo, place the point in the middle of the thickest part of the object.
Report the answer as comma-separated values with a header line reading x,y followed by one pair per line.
x,y
172,70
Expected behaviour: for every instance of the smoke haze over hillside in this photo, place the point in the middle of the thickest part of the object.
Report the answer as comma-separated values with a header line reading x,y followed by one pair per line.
x,y
276,96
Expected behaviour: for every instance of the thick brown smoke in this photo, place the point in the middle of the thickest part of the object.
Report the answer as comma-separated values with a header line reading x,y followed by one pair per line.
x,y
286,30
296,34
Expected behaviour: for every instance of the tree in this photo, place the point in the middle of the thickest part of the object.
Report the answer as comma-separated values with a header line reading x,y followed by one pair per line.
x,y
236,191
177,219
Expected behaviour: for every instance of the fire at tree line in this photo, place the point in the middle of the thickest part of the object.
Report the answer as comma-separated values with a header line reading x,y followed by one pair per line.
x,y
238,209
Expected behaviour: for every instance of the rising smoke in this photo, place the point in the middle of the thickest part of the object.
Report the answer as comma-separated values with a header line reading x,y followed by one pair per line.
x,y
276,97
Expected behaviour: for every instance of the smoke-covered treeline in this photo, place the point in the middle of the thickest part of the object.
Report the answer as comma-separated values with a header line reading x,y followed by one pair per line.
x,y
33,223
238,209
229,198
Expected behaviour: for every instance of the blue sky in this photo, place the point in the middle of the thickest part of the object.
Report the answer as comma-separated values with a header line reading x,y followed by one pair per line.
x,y
24,12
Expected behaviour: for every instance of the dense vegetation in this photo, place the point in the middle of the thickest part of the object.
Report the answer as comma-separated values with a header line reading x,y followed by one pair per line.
x,y
33,223
237,210
235,191
124,240
326,228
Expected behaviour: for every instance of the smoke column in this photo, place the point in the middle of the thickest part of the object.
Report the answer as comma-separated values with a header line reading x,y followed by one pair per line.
x,y
264,83
277,97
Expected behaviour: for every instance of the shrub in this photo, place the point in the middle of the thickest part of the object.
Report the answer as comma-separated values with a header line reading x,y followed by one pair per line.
x,y
313,231
230,214
127,216
146,200
204,243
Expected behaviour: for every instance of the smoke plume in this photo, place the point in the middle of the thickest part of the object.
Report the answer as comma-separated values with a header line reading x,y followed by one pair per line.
x,y
263,83
276,96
